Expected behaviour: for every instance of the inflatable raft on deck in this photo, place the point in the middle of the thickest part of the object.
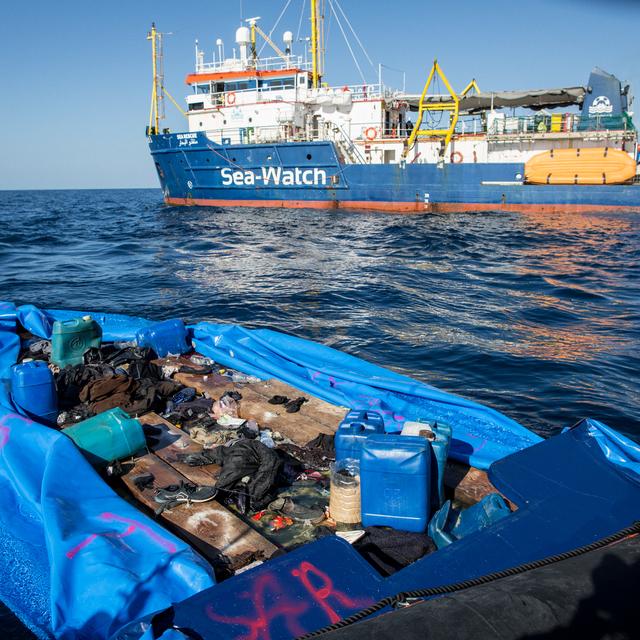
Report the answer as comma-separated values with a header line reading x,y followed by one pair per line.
x,y
81,562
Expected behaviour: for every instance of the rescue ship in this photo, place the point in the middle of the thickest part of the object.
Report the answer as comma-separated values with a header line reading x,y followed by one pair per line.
x,y
270,132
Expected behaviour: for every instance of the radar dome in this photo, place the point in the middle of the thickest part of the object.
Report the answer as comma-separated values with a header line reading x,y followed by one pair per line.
x,y
243,35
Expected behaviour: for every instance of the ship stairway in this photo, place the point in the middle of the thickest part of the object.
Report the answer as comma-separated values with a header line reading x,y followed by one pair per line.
x,y
346,146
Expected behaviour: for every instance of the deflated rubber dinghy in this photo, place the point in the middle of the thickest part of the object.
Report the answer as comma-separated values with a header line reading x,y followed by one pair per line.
x,y
79,561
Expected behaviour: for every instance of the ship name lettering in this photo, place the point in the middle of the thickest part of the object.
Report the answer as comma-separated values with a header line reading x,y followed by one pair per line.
x,y
276,176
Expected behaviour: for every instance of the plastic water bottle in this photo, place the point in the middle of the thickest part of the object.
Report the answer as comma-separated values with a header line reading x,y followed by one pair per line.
x,y
266,439
201,360
236,376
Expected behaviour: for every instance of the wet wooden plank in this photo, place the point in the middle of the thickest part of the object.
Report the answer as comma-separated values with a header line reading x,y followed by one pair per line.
x,y
172,443
212,385
467,484
299,427
209,526
323,412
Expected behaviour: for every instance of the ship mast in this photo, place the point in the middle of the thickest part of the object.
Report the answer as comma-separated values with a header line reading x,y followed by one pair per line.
x,y
154,111
158,90
317,43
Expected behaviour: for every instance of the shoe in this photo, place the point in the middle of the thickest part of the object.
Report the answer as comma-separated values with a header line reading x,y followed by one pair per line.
x,y
293,406
184,492
278,400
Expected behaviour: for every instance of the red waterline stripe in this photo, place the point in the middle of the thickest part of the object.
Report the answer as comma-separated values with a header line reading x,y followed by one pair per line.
x,y
403,207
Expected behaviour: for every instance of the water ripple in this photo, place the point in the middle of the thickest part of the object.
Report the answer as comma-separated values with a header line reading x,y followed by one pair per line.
x,y
535,315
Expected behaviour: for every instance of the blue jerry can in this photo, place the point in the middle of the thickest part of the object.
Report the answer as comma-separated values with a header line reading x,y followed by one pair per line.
x,y
449,525
33,390
356,427
440,438
395,480
439,454
164,338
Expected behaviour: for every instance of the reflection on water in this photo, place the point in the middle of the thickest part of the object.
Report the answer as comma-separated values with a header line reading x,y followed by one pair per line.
x,y
536,315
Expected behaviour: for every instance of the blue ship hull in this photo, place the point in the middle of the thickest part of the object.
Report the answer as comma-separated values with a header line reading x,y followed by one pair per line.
x,y
195,171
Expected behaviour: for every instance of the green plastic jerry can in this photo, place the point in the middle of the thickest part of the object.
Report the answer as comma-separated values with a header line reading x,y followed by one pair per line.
x,y
71,339
107,437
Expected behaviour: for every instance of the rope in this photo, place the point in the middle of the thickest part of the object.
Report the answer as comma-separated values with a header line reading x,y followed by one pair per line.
x,y
304,2
355,35
264,44
401,599
344,35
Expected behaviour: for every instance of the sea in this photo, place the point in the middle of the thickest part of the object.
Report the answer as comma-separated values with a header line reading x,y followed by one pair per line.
x,y
536,315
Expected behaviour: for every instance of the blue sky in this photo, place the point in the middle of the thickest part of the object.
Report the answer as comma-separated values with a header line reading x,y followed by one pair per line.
x,y
76,75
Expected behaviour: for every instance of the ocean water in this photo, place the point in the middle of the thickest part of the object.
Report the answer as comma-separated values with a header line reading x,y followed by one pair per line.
x,y
536,315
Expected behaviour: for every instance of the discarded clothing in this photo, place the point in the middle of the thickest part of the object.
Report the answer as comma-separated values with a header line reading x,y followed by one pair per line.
x,y
140,369
244,458
212,437
304,503
130,354
185,395
231,423
389,550
312,458
98,355
249,429
235,395
134,396
71,380
325,443
313,512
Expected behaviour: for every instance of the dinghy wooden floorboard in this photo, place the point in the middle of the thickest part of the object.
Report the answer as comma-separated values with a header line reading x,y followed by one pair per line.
x,y
172,443
315,416
209,526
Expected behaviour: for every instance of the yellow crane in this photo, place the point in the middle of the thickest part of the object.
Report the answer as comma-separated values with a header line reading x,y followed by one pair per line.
x,y
425,106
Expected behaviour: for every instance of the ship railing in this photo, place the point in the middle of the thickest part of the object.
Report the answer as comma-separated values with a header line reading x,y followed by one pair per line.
x,y
499,124
251,95
261,64
344,142
366,91
373,131
256,135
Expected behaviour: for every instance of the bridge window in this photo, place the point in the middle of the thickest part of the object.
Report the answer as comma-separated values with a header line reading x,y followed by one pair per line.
x,y
275,84
237,86
196,106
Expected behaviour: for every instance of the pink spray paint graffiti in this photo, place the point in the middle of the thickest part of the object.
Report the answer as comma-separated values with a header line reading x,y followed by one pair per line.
x,y
286,606
133,526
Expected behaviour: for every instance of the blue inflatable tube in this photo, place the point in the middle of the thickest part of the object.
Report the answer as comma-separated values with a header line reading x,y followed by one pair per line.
x,y
80,562
77,560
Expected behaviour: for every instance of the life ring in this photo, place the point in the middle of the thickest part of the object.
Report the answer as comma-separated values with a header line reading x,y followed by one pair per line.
x,y
230,98
457,157
371,133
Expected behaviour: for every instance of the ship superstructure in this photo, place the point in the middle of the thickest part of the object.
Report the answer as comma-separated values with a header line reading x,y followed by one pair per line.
x,y
270,130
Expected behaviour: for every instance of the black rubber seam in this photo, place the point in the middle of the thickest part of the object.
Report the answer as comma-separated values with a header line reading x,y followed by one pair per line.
x,y
402,598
